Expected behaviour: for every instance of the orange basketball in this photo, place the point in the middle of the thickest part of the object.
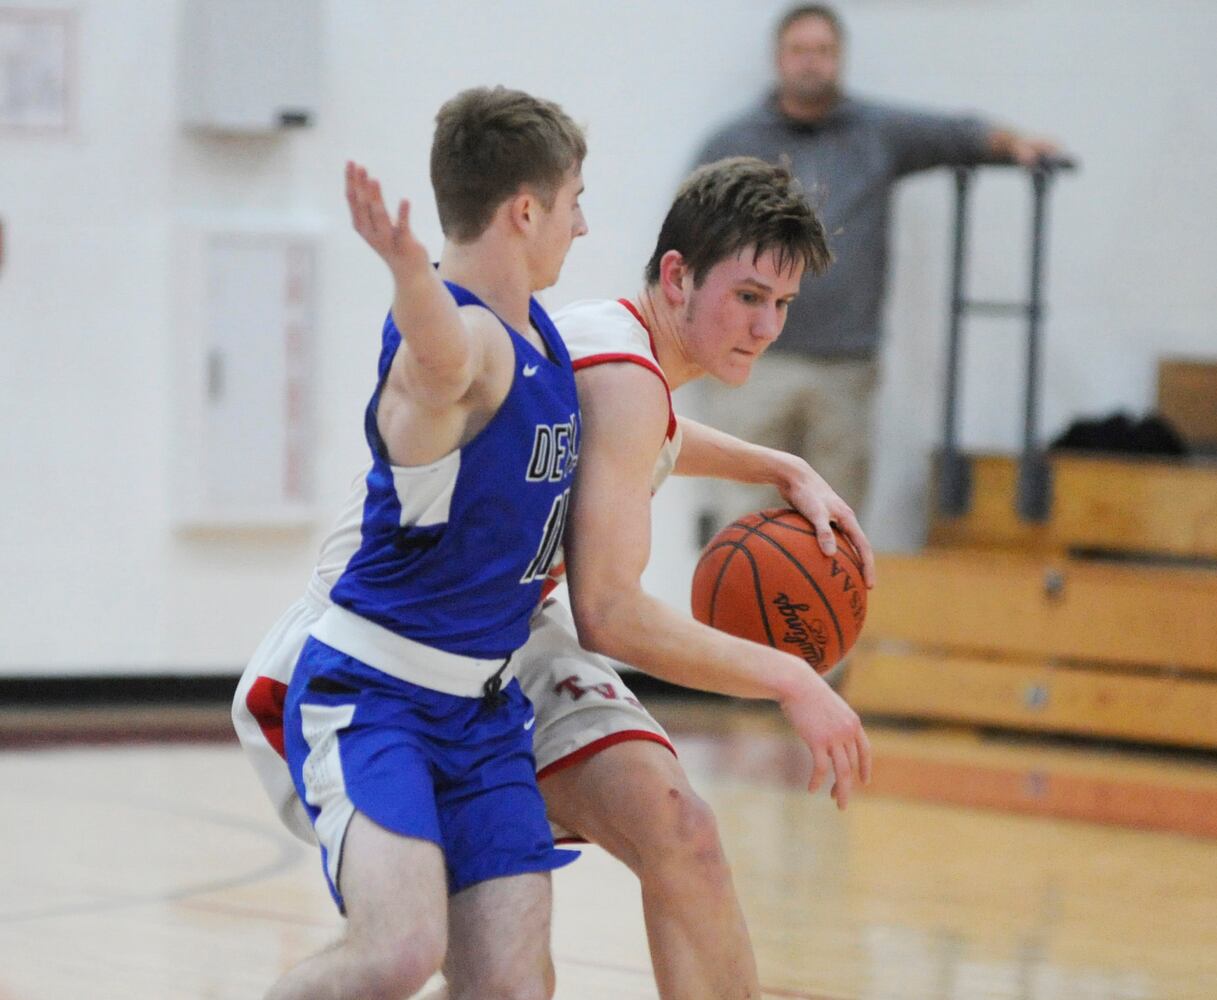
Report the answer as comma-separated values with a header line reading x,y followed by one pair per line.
x,y
764,578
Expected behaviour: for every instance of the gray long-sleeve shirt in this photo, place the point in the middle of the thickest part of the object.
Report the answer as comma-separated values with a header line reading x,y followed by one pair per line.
x,y
847,163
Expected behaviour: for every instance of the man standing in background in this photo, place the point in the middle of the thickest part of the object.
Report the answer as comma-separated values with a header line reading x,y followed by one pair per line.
x,y
813,393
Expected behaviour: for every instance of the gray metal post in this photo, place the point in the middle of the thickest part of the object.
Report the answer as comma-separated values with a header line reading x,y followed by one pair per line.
x,y
954,472
1034,474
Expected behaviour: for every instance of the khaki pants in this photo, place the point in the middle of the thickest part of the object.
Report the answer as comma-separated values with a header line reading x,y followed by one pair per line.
x,y
821,410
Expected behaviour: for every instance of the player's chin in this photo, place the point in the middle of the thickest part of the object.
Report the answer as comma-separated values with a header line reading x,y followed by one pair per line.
x,y
736,370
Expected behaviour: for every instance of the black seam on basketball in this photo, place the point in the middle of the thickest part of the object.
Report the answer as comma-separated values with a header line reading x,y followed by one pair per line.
x,y
847,549
734,547
721,570
808,577
767,518
726,543
808,531
738,546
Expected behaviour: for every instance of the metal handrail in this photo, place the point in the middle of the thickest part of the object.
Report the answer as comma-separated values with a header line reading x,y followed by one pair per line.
x,y
954,474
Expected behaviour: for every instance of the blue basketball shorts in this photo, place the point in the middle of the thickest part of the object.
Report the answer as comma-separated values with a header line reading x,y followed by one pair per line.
x,y
453,770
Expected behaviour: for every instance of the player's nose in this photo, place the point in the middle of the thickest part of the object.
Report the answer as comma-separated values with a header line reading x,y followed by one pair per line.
x,y
768,325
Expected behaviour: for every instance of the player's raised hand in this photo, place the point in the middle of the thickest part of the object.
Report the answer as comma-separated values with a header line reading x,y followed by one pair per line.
x,y
834,734
808,493
391,238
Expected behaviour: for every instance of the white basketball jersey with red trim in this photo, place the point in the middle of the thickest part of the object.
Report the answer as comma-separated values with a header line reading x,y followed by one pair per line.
x,y
608,331
604,331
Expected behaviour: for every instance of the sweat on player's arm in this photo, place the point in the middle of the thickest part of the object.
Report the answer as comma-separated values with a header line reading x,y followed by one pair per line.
x,y
623,405
707,451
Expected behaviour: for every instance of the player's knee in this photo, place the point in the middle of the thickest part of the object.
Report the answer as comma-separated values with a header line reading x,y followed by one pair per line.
x,y
690,839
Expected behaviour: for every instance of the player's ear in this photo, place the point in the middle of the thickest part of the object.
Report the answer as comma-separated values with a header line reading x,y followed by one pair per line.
x,y
675,278
522,209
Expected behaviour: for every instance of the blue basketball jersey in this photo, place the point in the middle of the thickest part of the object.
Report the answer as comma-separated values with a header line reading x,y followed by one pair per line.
x,y
454,554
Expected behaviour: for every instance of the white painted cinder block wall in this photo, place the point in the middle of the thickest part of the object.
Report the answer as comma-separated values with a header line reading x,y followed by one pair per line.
x,y
97,580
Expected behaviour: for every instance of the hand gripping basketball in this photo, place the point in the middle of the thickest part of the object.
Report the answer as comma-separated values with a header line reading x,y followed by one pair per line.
x,y
765,578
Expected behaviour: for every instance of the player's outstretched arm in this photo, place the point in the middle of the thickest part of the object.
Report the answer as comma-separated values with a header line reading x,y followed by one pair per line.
x,y
440,354
706,451
625,414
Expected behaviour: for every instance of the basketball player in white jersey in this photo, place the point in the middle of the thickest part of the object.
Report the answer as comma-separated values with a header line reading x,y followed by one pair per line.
x,y
729,259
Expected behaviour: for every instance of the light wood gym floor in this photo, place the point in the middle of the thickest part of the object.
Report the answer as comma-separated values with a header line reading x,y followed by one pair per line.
x,y
976,867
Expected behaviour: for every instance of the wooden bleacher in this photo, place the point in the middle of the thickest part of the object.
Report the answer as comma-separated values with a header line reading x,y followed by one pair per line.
x,y
1099,621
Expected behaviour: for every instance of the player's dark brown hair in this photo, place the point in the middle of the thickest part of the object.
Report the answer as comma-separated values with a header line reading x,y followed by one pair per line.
x,y
737,204
491,142
821,10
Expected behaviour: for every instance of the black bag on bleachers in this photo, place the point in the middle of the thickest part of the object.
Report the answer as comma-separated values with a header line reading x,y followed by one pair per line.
x,y
1120,434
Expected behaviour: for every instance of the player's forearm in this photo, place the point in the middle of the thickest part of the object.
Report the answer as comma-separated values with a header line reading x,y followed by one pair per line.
x,y
647,634
707,451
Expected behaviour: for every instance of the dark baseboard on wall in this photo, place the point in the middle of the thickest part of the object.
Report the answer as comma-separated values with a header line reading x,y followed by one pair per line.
x,y
118,689
135,689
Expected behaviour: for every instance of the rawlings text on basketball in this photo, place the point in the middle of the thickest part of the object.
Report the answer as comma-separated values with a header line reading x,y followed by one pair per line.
x,y
809,637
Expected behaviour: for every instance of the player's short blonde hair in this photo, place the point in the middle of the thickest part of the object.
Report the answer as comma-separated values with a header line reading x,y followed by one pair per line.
x,y
489,143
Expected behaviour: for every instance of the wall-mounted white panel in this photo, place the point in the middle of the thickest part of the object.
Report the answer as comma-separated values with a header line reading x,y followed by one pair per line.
x,y
246,403
250,65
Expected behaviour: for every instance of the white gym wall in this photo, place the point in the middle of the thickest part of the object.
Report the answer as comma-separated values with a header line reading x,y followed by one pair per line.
x,y
100,573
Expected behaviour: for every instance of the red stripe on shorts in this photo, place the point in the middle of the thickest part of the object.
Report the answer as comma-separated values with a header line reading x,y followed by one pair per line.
x,y
265,703
593,748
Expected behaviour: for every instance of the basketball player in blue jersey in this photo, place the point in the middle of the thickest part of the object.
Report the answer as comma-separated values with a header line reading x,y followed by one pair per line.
x,y
408,738
728,261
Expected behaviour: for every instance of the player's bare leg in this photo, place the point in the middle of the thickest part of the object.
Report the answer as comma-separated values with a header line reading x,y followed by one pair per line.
x,y
499,932
653,822
395,890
